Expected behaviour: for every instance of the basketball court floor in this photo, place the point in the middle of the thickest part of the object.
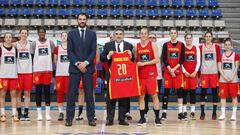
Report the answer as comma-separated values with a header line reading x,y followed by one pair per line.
x,y
172,126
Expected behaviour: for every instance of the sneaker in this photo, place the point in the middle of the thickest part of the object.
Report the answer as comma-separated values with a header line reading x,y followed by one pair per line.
x,y
3,118
214,116
60,117
95,118
142,122
79,117
185,118
128,116
164,116
39,118
20,117
48,117
233,118
26,117
15,118
222,117
180,116
202,116
158,122
192,116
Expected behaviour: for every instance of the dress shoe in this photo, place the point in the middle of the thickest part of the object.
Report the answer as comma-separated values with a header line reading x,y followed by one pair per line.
x,y
92,123
68,123
124,123
109,123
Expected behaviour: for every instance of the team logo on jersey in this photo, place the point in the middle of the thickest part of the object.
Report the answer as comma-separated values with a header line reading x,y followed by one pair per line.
x,y
43,51
227,66
209,56
190,57
173,55
9,59
64,58
5,83
23,55
144,57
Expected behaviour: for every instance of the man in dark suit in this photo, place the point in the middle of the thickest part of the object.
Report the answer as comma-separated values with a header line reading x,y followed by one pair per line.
x,y
119,45
82,44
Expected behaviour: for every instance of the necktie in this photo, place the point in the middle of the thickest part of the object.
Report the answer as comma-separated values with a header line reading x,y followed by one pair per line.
x,y
82,34
119,50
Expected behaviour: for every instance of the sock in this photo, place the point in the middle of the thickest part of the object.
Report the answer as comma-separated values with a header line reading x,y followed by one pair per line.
x,y
202,108
156,113
223,110
234,111
180,108
165,111
14,110
47,110
184,108
192,108
214,108
19,110
39,111
142,112
60,109
2,111
80,109
26,110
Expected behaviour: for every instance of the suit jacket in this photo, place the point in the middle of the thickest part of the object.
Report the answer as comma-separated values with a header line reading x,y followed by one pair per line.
x,y
110,46
79,50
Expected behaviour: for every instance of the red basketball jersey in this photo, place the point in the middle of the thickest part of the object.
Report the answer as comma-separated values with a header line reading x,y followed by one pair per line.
x,y
190,61
123,80
173,56
145,54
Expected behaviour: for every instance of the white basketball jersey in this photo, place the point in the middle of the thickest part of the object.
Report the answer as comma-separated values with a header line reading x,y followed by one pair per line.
x,y
62,62
42,57
8,66
228,67
24,59
209,60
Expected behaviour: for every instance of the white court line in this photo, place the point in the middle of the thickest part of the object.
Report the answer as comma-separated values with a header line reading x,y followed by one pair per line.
x,y
103,123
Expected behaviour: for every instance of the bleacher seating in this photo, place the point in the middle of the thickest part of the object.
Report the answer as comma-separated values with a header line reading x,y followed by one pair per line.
x,y
164,3
201,3
128,3
13,12
2,11
25,12
140,12
177,3
157,14
213,3
151,3
77,2
115,12
178,13
4,2
40,2
65,3
52,2
114,3
188,3
216,13
102,12
191,13
139,3
29,2
203,13
15,2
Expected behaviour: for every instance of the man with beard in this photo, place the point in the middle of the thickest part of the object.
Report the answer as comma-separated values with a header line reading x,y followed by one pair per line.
x,y
82,44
